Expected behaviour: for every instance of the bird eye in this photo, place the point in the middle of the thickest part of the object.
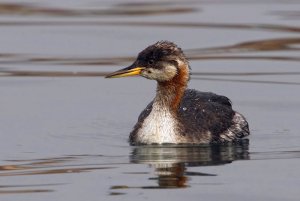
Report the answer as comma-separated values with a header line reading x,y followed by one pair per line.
x,y
151,61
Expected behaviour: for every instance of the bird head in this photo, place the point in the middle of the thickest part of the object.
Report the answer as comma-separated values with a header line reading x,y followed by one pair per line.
x,y
161,62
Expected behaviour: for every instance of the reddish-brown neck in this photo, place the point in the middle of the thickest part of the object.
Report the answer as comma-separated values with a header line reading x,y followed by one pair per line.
x,y
170,93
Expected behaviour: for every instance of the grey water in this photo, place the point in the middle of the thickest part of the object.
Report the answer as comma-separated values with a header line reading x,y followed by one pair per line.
x,y
64,128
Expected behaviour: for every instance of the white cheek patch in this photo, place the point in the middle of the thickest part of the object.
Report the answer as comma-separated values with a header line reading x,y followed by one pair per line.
x,y
170,72
165,74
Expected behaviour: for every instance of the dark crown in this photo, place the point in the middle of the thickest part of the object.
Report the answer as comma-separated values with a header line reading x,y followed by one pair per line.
x,y
161,50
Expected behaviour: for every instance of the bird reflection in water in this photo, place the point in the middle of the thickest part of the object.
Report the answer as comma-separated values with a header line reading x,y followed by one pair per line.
x,y
171,162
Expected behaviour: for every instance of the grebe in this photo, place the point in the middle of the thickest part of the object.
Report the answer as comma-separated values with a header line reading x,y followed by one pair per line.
x,y
177,114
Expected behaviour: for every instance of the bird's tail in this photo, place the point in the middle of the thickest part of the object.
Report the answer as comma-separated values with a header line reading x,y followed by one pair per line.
x,y
239,129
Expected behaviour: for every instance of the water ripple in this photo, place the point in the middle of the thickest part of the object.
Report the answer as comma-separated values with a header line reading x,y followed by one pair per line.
x,y
28,9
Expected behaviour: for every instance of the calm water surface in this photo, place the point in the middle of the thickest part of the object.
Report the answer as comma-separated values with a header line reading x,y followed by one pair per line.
x,y
64,128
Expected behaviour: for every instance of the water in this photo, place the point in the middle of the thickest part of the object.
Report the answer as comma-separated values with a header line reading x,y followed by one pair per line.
x,y
64,128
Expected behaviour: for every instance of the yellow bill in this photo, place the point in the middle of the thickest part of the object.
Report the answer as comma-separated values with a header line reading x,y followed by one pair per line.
x,y
129,71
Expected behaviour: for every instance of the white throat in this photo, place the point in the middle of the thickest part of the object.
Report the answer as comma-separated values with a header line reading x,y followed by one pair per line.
x,y
159,127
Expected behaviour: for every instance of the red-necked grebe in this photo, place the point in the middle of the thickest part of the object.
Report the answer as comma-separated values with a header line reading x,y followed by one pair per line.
x,y
177,114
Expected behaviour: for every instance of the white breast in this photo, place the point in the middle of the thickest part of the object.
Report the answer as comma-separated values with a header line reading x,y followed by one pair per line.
x,y
159,127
